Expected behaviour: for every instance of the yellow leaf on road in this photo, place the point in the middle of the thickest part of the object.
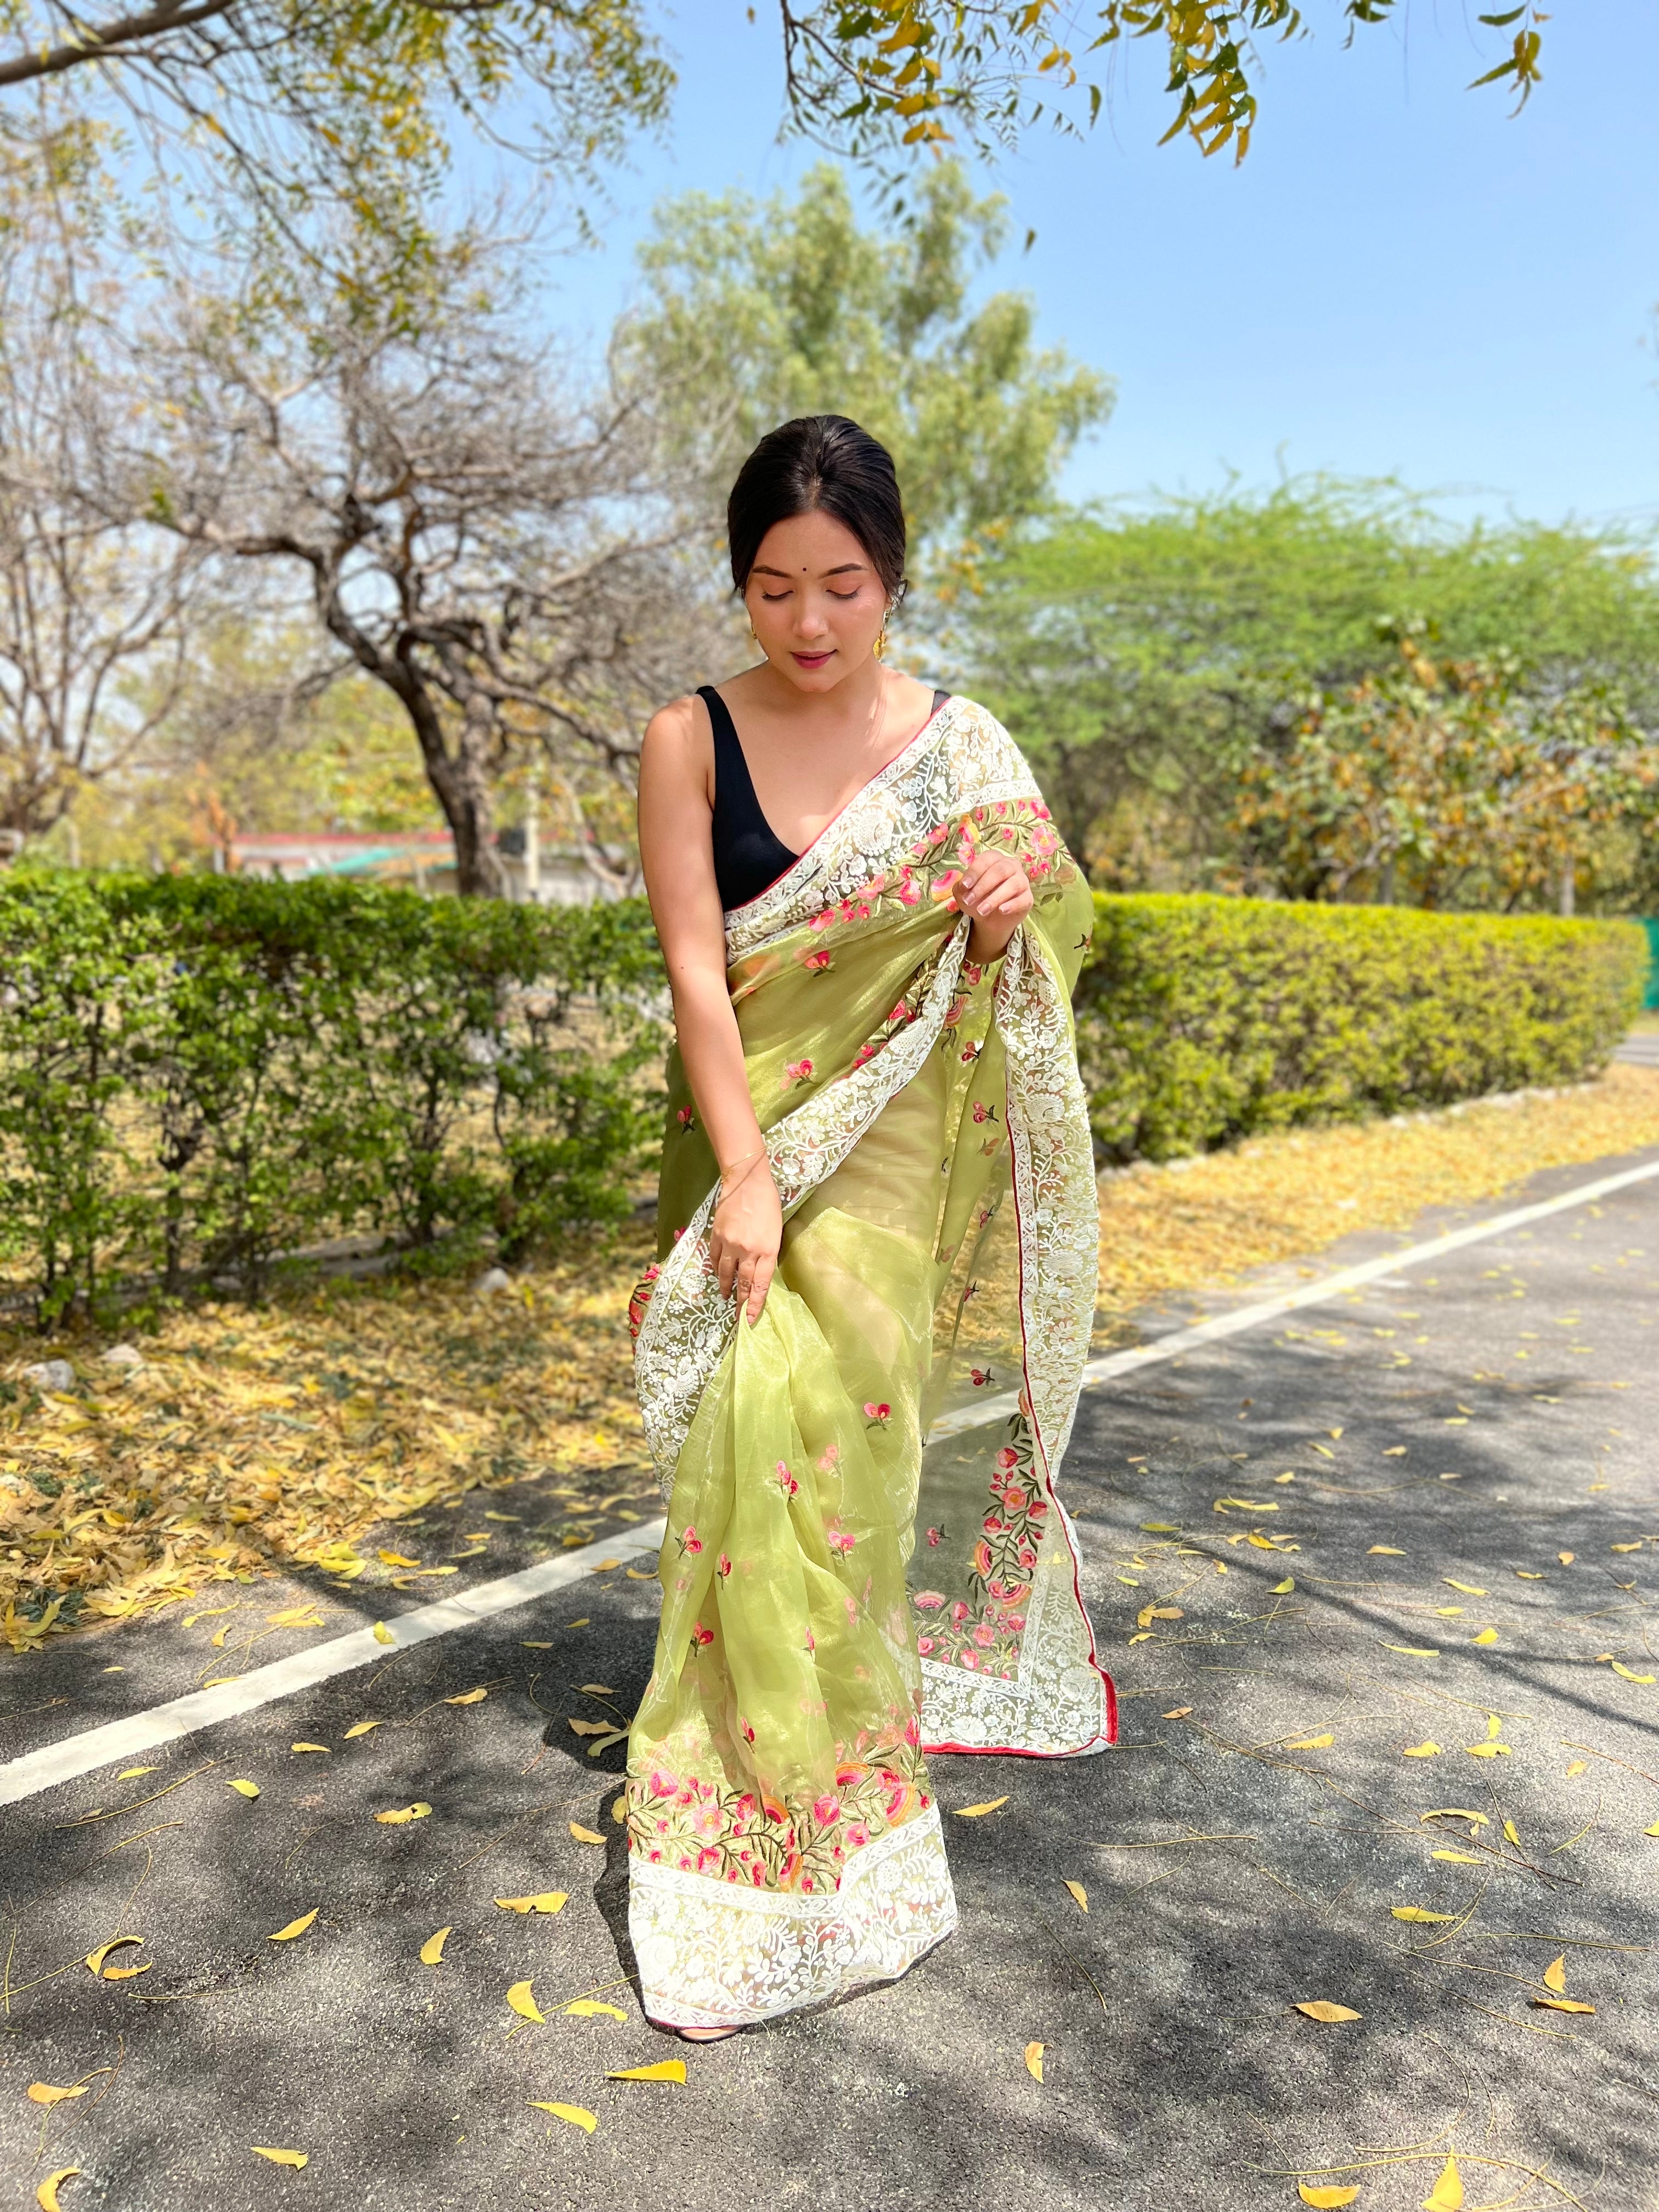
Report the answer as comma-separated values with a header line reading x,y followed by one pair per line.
x,y
585,1835
1513,1833
398,1560
397,1817
1457,1858
1079,1895
249,1789
294,2158
294,1927
1385,1550
522,2002
1578,1766
591,2008
360,1728
1447,2194
1283,1588
592,1727
1034,2060
1456,1813
598,1690
578,2115
123,1973
468,1698
1653,1831
132,1773
382,1634
974,1812
1469,1589
1555,1975
606,1566
46,2195
1488,1750
1430,1750
665,2069
1566,1558
1646,1680
1486,1636
1421,1912
549,1900
432,1950
1414,1650
1323,2008
95,1959
1560,2004
42,2093
1311,1743
1325,2196
307,1747
1628,1548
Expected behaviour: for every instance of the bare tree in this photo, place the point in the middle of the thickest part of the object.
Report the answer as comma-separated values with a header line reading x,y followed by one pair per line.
x,y
501,559
93,605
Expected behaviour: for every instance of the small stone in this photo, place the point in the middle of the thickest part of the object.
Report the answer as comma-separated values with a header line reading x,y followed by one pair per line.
x,y
50,1375
123,1355
494,1278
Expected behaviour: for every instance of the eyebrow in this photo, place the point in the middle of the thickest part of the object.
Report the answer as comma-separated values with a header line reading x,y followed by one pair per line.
x,y
847,567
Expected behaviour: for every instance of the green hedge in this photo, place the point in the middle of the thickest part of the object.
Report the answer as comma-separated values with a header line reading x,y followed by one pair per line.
x,y
1201,1020
199,1073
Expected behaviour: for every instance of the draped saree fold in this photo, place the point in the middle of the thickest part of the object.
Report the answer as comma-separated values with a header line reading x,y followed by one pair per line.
x,y
866,1557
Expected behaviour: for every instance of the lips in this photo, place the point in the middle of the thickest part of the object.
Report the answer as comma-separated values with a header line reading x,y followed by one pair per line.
x,y
811,659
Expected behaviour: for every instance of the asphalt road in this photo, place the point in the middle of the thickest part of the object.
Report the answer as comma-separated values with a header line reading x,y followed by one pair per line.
x,y
1478,1419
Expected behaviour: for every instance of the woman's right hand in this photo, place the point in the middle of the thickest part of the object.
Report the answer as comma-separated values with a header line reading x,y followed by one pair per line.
x,y
744,1238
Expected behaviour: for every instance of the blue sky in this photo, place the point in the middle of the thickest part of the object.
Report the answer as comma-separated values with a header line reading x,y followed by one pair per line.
x,y
1400,278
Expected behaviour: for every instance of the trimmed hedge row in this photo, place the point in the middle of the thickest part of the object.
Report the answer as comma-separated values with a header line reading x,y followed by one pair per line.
x,y
1201,1020
199,1073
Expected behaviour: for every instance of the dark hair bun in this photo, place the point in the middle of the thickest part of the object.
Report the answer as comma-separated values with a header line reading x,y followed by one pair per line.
x,y
819,463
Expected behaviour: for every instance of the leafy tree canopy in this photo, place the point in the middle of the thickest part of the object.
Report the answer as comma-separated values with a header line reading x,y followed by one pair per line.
x,y
758,311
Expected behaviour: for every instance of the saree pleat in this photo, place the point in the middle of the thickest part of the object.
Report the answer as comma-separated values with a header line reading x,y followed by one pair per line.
x,y
865,1554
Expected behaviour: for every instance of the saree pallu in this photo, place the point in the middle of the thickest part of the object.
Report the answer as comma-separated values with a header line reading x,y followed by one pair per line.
x,y
866,1557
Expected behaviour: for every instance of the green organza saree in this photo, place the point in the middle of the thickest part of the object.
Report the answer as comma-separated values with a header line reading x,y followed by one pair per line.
x,y
865,1559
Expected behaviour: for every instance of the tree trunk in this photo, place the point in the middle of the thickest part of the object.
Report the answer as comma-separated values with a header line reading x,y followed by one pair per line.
x,y
1569,888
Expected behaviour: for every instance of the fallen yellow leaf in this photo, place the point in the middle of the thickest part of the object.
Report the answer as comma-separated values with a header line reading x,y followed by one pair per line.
x,y
549,1900
1421,1912
1283,1588
1578,1766
1560,2004
1323,2008
1414,1650
1513,1833
1555,1975
578,2115
382,1634
1457,1858
1430,1750
1178,1713
605,1566
591,2008
1469,1589
1646,1680
619,1809
468,1698
294,2158
1526,1575
530,1643
132,1773
1628,1548
1034,2060
432,1950
307,1747
976,1812
582,1623
665,2069
1326,2197
95,1959
1079,1895
1456,1813
396,1819
1385,1550
585,1835
598,1690
398,1560
1566,1558
294,1927
360,1728
522,2002
42,2093
1447,2194
592,1727
1488,1750
46,2195
249,1789
1311,1743
1486,1636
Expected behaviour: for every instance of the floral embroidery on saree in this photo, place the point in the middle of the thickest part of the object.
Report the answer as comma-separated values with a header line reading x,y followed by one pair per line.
x,y
866,1554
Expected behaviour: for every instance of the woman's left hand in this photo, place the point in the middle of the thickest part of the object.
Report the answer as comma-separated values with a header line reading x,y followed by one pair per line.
x,y
997,892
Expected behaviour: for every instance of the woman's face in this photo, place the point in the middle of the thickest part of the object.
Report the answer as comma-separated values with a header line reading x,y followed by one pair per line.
x,y
816,601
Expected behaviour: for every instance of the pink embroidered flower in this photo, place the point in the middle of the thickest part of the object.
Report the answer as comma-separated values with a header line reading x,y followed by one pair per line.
x,y
787,1482
826,1810
958,1612
985,1636
913,1732
1007,1456
971,1292
972,973
992,1524
857,1835
981,1559
1013,1498
935,1536
969,1659
900,1013
875,1413
702,1635
910,893
955,1011
662,1785
708,1860
748,1734
707,1821
930,1601
1039,1507
1027,1556
970,1052
983,1112
830,1458
865,1052
924,1644
1015,1621
811,1641
982,1376
797,1071
824,921
686,1117
817,962
722,1566
690,1541
839,1540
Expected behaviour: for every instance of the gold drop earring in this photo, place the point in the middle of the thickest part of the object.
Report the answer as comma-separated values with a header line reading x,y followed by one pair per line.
x,y
881,636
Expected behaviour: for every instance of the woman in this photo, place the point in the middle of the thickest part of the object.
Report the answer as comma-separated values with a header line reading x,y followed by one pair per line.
x,y
875,1283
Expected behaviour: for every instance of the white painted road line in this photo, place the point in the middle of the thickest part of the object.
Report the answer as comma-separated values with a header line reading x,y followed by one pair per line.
x,y
101,1747
1114,1363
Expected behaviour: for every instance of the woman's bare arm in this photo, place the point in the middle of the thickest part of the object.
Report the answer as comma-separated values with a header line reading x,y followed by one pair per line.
x,y
677,851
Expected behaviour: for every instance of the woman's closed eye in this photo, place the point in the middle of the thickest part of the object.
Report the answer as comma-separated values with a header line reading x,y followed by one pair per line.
x,y
772,599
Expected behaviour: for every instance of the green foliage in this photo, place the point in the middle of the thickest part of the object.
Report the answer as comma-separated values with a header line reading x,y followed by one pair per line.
x,y
1201,1020
197,1073
762,310
1142,658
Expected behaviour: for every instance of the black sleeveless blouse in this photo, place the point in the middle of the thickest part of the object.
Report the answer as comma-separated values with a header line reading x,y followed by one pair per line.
x,y
749,855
